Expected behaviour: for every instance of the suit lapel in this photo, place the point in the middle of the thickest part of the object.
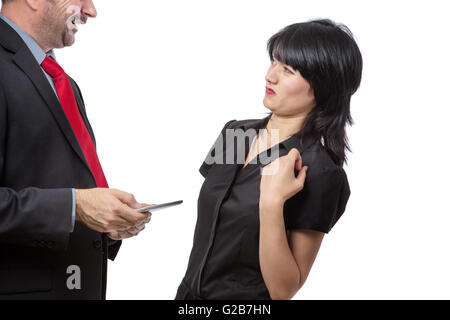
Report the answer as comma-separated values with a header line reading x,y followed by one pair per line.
x,y
81,108
11,41
27,63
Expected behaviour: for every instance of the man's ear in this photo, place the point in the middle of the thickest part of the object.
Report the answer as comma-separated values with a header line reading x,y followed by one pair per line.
x,y
33,4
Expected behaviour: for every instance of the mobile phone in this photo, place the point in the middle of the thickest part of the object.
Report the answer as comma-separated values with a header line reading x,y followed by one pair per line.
x,y
160,206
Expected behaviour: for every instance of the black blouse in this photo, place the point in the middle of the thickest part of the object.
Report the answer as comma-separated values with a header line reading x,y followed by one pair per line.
x,y
224,261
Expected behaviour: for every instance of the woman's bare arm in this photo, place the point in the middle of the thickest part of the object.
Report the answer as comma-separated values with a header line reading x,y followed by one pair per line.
x,y
285,261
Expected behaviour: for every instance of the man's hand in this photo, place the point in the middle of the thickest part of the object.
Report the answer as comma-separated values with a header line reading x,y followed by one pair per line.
x,y
110,211
131,232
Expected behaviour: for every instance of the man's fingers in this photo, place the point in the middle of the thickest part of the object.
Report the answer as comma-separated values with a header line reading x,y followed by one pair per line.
x,y
147,220
126,198
141,225
126,210
132,231
143,205
131,216
114,235
125,234
118,223
108,223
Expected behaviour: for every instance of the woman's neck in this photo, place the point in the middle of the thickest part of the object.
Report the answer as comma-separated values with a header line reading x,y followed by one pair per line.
x,y
286,126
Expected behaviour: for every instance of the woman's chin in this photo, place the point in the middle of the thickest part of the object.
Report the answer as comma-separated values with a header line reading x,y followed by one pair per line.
x,y
269,105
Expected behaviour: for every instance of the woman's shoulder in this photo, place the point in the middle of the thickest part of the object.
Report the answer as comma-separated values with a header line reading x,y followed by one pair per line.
x,y
322,201
320,163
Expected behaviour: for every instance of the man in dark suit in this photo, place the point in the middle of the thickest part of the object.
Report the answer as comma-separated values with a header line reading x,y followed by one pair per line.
x,y
59,222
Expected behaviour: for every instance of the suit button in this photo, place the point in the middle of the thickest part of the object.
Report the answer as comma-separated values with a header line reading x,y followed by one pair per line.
x,y
97,244
50,244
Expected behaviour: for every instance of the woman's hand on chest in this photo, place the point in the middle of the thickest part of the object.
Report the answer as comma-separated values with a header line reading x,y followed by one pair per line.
x,y
278,180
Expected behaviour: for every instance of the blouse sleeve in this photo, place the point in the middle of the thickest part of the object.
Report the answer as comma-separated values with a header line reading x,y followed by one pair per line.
x,y
217,147
320,204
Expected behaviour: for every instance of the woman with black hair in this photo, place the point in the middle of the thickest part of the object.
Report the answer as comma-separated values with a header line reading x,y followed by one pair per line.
x,y
261,220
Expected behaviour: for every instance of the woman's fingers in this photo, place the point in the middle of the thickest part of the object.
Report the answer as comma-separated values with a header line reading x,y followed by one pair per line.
x,y
295,155
301,177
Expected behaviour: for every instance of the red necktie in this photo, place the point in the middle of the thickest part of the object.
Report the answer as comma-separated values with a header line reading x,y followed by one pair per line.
x,y
70,107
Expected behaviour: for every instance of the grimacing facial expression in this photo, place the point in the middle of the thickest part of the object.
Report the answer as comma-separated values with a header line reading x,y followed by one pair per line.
x,y
287,92
60,19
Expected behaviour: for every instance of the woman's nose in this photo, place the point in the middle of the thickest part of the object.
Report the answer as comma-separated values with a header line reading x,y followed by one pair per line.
x,y
271,75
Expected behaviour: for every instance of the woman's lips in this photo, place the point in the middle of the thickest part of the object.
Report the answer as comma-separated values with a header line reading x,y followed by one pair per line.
x,y
270,91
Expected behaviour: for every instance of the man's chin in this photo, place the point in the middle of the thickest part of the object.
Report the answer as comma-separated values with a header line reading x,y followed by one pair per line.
x,y
68,36
68,40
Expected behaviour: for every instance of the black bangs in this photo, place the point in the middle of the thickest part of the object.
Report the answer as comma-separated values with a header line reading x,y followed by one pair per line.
x,y
286,46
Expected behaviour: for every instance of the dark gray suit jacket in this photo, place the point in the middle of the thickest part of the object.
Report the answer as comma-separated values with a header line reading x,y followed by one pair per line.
x,y
40,161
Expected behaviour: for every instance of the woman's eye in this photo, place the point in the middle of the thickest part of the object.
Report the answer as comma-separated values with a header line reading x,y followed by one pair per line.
x,y
288,70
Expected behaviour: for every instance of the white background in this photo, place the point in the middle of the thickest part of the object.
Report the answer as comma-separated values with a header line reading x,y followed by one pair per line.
x,y
161,78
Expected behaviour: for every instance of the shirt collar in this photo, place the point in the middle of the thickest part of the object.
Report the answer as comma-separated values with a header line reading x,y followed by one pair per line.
x,y
255,124
35,49
298,140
